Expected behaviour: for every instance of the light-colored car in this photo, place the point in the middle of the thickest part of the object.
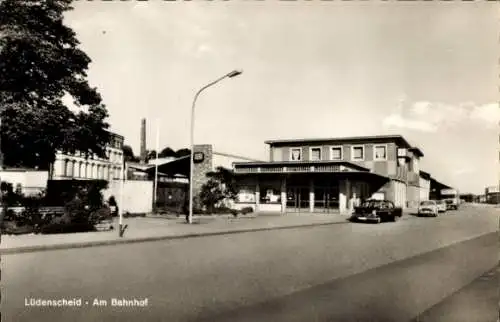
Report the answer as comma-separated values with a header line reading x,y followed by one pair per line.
x,y
428,208
441,205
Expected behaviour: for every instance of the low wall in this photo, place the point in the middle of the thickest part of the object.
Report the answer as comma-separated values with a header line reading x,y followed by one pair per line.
x,y
137,195
269,207
241,205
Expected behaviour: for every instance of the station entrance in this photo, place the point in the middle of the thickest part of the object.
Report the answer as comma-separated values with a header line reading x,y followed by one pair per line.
x,y
297,199
326,199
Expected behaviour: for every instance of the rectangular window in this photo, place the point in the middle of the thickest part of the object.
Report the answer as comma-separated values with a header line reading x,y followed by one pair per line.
x,y
380,152
336,153
270,195
358,153
246,194
315,154
296,154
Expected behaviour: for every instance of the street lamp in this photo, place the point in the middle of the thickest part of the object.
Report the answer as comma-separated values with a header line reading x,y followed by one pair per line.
x,y
232,74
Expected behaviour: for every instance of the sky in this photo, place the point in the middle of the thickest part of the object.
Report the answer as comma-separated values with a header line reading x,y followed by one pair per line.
x,y
425,70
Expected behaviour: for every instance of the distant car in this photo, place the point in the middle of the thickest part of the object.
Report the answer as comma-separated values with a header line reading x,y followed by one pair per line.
x,y
428,208
441,205
451,204
376,211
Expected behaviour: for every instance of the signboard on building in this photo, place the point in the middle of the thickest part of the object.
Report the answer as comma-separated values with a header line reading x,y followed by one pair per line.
x,y
402,153
198,157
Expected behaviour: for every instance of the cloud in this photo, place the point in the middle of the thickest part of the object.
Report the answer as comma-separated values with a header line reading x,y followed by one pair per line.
x,y
465,170
398,121
427,116
489,114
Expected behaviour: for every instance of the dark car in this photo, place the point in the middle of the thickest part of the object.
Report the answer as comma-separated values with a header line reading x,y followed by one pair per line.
x,y
377,211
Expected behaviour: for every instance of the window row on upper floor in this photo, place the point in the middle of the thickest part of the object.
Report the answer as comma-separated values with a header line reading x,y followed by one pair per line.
x,y
336,153
111,156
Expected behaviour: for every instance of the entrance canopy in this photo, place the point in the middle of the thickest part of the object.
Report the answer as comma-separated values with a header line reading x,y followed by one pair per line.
x,y
178,166
303,171
297,167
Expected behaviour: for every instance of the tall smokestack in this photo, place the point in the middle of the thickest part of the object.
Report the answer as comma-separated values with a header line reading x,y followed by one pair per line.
x,y
143,141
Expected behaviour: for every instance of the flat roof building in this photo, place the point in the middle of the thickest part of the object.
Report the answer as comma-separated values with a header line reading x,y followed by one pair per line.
x,y
332,174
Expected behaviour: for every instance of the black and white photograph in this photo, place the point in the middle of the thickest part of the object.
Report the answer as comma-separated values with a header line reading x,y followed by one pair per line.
x,y
249,161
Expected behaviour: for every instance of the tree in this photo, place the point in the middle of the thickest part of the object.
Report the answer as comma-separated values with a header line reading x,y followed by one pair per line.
x,y
220,186
211,194
40,63
183,152
167,152
128,154
227,181
150,155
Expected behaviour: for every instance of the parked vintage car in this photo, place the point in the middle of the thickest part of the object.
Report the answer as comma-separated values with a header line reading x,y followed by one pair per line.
x,y
441,204
377,211
428,208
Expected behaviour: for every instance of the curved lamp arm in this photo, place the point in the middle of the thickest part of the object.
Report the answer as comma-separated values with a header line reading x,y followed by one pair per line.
x,y
232,74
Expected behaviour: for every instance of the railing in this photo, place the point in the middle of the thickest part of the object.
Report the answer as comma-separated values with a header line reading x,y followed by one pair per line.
x,y
291,169
273,170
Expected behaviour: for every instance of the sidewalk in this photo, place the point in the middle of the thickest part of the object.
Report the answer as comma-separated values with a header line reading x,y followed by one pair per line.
x,y
153,228
163,227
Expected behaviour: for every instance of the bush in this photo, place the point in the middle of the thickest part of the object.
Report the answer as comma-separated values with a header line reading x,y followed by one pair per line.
x,y
63,228
11,228
246,210
211,194
100,215
222,210
76,210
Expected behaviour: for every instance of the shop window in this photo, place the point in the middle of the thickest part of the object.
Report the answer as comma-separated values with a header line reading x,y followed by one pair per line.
x,y
246,194
270,195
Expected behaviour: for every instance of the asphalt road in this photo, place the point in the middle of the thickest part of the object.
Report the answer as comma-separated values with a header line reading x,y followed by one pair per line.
x,y
345,272
478,301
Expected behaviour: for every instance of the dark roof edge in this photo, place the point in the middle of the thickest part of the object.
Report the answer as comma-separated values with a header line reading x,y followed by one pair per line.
x,y
368,137
347,138
425,175
115,134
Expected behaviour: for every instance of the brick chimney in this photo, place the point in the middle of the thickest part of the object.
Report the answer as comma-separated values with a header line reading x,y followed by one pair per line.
x,y
143,141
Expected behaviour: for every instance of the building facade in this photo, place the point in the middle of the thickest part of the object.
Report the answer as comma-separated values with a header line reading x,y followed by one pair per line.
x,y
323,175
425,186
207,160
77,166
492,194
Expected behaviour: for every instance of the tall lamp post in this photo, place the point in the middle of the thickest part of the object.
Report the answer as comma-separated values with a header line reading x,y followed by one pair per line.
x,y
232,74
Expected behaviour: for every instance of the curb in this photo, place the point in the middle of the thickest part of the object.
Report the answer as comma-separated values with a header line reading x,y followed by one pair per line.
x,y
32,249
